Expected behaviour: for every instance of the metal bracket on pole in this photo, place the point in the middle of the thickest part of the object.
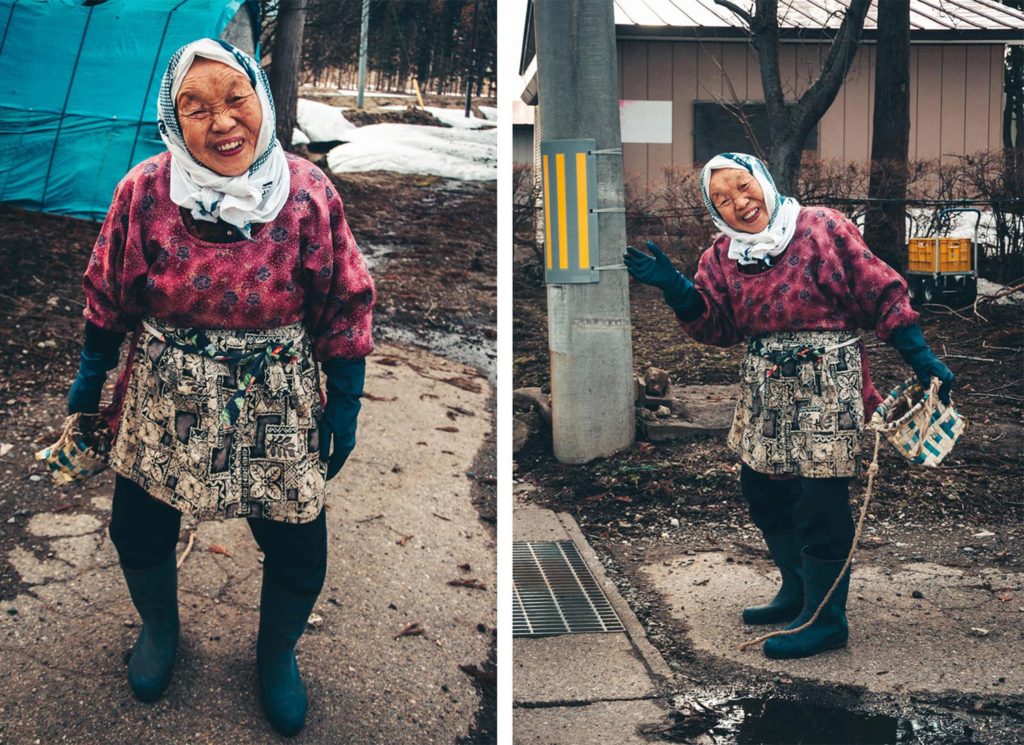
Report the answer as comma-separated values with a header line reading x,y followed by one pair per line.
x,y
607,151
620,210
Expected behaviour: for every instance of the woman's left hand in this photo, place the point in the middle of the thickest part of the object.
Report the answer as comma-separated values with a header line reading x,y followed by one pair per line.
x,y
338,426
909,342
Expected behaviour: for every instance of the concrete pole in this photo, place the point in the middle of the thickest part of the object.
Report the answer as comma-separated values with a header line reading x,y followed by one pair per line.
x,y
589,334
364,30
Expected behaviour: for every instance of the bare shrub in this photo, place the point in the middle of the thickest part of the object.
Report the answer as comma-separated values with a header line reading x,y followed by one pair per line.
x,y
998,179
526,217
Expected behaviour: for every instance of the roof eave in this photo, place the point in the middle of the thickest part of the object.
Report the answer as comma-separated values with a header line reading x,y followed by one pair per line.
x,y
630,32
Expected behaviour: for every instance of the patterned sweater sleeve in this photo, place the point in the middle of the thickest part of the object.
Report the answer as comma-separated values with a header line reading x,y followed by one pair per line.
x,y
868,289
340,293
116,266
716,325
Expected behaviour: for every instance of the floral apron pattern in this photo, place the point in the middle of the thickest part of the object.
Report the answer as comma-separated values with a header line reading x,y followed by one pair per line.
x,y
800,413
175,442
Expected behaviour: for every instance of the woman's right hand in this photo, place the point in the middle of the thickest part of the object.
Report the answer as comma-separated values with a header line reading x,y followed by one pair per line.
x,y
657,270
100,354
87,388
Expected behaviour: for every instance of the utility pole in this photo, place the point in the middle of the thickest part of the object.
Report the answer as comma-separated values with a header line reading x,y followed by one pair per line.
x,y
589,334
364,29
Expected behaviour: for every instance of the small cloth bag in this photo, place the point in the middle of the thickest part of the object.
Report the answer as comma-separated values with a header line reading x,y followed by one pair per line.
x,y
81,452
921,428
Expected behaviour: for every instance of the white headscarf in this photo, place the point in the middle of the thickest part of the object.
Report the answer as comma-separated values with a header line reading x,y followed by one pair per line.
x,y
750,248
257,195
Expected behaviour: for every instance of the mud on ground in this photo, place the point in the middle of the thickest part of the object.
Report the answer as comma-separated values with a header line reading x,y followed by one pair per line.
x,y
655,503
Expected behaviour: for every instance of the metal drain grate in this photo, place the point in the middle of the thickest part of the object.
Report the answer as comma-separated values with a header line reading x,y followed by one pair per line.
x,y
553,592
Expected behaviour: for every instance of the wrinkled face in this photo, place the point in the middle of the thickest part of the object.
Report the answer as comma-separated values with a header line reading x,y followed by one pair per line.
x,y
220,116
739,199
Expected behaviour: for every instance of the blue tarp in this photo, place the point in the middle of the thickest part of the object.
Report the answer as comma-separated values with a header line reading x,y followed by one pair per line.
x,y
78,88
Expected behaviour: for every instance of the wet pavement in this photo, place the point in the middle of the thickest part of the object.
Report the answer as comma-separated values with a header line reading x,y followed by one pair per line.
x,y
401,527
918,626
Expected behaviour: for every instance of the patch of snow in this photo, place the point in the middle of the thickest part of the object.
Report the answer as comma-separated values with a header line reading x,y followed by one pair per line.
x,y
299,137
408,148
321,122
452,117
490,112
988,289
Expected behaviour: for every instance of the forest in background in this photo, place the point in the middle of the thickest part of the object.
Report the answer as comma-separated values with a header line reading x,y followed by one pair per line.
x,y
429,40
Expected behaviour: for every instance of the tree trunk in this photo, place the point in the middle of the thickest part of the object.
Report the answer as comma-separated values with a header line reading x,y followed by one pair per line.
x,y
284,67
792,124
885,222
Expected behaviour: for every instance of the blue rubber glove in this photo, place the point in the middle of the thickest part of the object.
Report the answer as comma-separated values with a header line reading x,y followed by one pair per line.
x,y
910,343
100,353
338,427
658,271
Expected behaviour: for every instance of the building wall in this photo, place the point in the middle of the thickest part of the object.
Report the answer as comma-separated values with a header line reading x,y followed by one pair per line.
x,y
955,98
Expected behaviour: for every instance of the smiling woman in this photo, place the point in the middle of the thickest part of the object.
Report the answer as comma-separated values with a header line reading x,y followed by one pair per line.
x,y
233,267
795,283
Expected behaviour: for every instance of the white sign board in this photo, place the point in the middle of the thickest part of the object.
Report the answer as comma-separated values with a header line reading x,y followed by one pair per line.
x,y
646,121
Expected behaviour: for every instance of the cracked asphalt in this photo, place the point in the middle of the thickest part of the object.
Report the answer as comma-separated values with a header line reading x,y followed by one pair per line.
x,y
401,526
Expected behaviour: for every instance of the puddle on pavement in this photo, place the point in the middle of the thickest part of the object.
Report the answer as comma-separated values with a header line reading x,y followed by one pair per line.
x,y
451,345
461,345
768,721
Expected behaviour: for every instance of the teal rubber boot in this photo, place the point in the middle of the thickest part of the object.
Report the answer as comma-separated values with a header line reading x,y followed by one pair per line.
x,y
283,618
831,630
789,600
155,595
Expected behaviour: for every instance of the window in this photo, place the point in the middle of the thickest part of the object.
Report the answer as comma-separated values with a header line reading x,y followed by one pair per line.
x,y
717,129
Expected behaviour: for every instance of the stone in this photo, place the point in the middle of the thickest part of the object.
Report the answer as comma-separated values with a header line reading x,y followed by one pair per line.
x,y
525,399
656,382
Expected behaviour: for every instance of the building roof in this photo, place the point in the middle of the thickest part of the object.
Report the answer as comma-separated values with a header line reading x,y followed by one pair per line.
x,y
930,20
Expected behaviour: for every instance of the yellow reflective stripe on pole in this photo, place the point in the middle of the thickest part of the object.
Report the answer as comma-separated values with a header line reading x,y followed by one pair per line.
x,y
582,212
547,213
563,229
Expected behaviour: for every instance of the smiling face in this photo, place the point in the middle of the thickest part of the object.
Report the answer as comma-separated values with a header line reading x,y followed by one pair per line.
x,y
220,116
739,199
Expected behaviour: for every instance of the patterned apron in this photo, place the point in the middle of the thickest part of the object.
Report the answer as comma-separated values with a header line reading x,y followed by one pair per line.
x,y
224,423
800,410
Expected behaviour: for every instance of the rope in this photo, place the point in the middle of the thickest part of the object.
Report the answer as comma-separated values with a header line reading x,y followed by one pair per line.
x,y
879,429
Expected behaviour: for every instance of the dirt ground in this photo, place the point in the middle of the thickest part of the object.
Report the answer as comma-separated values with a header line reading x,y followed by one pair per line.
x,y
430,243
655,504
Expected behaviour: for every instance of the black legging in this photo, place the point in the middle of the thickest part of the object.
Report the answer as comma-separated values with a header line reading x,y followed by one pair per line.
x,y
817,509
145,531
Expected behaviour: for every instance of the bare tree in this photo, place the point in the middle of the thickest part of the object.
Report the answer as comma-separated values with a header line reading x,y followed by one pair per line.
x,y
284,67
885,221
791,124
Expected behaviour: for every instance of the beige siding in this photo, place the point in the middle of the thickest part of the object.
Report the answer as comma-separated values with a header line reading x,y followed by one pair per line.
x,y
659,88
955,96
684,93
925,120
633,74
995,111
857,116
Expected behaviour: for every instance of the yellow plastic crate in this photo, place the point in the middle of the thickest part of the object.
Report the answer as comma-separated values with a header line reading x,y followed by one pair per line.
x,y
954,255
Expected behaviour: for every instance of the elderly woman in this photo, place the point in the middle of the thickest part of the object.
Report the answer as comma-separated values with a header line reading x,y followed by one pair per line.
x,y
796,282
231,265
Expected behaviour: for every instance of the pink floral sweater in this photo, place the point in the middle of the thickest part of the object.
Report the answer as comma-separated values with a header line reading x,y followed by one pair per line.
x,y
304,266
826,280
